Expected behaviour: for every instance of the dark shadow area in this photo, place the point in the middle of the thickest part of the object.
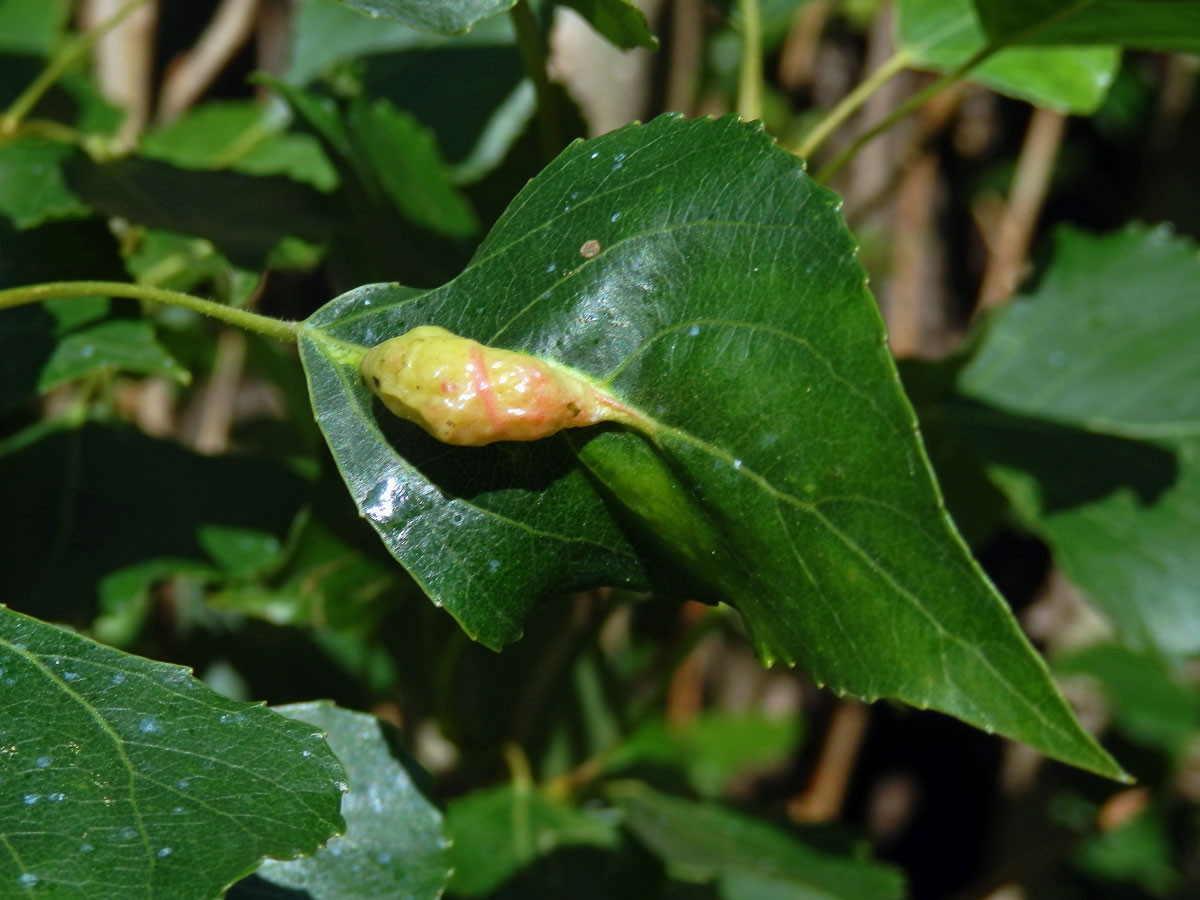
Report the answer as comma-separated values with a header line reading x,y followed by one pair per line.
x,y
256,888
80,504
1072,467
245,216
61,103
943,775
470,472
591,873
57,251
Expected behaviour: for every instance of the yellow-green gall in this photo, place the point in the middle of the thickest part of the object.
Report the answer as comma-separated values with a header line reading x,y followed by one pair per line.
x,y
465,393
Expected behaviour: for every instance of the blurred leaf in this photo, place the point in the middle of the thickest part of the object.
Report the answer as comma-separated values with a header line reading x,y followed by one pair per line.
x,y
322,579
440,16
242,136
382,198
29,334
242,552
622,23
32,26
125,596
32,188
1144,24
785,475
393,845
1104,342
703,841
326,32
120,345
245,216
471,90
106,498
181,262
404,161
1149,705
714,749
941,34
1121,526
124,777
498,832
1139,852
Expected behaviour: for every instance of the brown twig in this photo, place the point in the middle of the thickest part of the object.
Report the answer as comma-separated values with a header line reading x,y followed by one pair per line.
x,y
821,800
190,75
685,693
1014,231
123,61
220,397
683,68
799,53
911,289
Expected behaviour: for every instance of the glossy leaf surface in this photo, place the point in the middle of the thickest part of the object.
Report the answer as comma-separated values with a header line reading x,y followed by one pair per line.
x,y
123,777
942,34
394,844
725,303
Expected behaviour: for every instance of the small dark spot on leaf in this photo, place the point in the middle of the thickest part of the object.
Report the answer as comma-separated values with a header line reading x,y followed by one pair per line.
x,y
375,379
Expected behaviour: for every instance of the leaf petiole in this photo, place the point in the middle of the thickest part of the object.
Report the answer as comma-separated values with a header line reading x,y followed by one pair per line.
x,y
267,326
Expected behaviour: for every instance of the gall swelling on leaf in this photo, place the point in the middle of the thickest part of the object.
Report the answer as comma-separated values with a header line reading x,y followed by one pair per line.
x,y
468,394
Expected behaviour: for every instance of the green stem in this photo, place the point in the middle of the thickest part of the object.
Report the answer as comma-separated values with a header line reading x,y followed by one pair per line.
x,y
952,77
913,103
852,102
70,54
57,290
750,80
533,58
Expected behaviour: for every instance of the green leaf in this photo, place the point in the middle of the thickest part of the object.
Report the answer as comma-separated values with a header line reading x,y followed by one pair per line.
x,y
439,16
942,34
1142,24
1139,852
704,841
394,844
713,749
1118,514
498,832
1106,340
619,21
326,32
32,26
244,137
405,163
124,345
123,777
1100,353
785,475
1149,704
471,91
32,188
